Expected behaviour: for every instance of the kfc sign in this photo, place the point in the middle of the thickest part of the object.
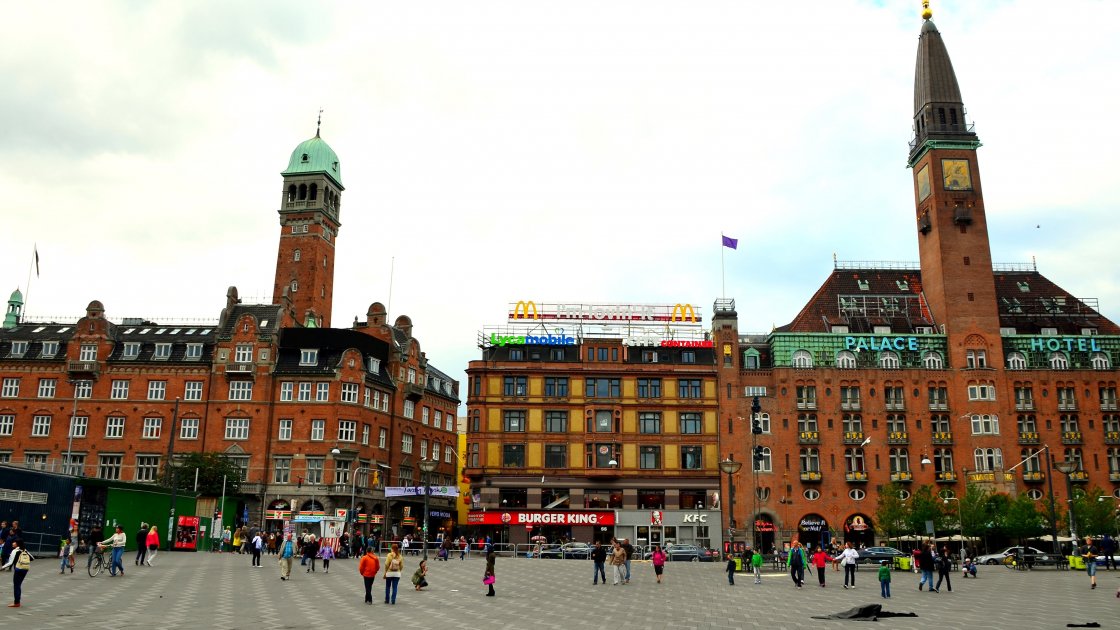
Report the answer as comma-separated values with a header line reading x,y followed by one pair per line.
x,y
531,519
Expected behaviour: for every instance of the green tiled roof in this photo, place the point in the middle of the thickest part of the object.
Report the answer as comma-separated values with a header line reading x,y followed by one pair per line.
x,y
315,156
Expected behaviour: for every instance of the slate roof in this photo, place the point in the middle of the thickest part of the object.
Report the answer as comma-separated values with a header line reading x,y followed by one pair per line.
x,y
331,344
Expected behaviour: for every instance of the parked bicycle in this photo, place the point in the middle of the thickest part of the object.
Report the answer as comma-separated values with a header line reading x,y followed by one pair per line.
x,y
97,561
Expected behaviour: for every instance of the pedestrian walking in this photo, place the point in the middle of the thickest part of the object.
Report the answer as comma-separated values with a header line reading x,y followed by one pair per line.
x,y
326,552
618,562
420,576
885,579
488,577
20,563
944,562
368,567
756,565
599,557
657,558
1089,553
255,547
848,558
226,537
152,543
310,551
394,565
141,544
118,541
287,551
1108,547
464,548
926,565
820,562
629,549
797,561
69,546
730,569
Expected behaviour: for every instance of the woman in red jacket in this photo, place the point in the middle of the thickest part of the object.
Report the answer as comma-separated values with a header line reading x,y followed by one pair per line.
x,y
820,561
153,545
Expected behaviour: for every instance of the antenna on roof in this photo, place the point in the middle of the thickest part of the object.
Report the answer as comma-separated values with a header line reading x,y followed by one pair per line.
x,y
319,123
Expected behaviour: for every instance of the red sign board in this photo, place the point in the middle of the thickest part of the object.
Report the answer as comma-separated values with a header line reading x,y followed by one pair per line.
x,y
186,533
538,518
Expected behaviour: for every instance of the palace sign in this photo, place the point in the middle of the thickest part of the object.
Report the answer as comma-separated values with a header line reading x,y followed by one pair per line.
x,y
540,518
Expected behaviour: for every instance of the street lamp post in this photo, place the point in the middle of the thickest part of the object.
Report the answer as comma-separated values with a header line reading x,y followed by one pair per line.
x,y
960,518
353,487
1066,467
427,466
730,467
385,523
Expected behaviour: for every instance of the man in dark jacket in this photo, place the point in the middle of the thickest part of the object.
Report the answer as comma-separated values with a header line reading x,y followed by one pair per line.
x,y
926,564
629,549
141,544
599,556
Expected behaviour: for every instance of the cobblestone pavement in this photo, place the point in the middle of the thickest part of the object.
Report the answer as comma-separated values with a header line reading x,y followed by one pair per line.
x,y
223,591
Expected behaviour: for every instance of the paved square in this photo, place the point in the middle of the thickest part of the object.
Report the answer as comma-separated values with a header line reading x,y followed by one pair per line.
x,y
222,591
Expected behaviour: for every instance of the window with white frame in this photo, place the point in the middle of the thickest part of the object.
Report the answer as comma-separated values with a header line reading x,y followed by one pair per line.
x,y
435,451
322,392
347,430
1099,361
282,470
40,426
423,449
365,435
411,376
79,425
74,465
240,390
845,360
406,443
83,389
304,392
163,351
366,397
147,467
242,464
385,403
988,459
802,359
192,390
188,429
932,360
47,387
315,469
889,360
19,348
237,428
382,438
309,356
114,427
50,349
152,428
373,365
119,390
766,464
350,393
285,434
438,421
87,352
10,388
243,353
109,467
447,454
982,391
318,430
131,350
985,424
1016,361
194,352
409,409
7,423
157,390
424,415
975,359
1059,361
287,391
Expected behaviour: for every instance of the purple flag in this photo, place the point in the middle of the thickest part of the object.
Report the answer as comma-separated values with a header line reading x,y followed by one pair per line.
x,y
733,243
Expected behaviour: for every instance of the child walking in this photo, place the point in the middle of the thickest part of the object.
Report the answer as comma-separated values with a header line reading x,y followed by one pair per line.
x,y
756,564
326,552
885,579
731,569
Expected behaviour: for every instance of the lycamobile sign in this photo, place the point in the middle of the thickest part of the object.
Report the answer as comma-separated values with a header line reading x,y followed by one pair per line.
x,y
530,340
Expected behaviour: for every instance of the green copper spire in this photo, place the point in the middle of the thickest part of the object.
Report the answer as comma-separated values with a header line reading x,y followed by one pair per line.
x,y
15,308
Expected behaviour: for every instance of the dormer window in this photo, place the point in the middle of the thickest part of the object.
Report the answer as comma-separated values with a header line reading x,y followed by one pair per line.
x,y
902,285
163,351
194,351
50,348
373,365
19,348
1024,287
303,158
864,285
131,350
309,356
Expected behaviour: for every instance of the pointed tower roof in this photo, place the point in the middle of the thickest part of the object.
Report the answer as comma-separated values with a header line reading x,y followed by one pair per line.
x,y
15,309
939,113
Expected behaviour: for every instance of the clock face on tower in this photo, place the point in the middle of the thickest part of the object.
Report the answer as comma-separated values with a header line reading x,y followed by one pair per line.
x,y
956,175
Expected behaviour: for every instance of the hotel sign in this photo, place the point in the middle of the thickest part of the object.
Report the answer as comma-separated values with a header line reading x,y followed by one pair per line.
x,y
1069,344
598,313
531,518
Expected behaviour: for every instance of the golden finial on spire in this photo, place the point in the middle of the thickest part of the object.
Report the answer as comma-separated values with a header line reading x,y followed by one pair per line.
x,y
926,12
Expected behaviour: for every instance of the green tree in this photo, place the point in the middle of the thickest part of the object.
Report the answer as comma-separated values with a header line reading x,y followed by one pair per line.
x,y
1095,512
1022,518
924,506
891,512
211,467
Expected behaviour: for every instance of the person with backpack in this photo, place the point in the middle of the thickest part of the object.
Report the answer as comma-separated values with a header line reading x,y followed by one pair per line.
x,y
797,561
20,561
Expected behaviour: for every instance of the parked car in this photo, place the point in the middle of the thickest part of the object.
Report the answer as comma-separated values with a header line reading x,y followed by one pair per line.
x,y
875,555
579,550
688,553
1030,555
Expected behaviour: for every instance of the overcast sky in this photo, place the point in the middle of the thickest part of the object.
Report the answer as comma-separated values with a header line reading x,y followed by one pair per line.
x,y
560,151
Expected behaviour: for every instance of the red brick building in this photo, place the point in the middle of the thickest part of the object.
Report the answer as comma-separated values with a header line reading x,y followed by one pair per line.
x,y
313,415
947,372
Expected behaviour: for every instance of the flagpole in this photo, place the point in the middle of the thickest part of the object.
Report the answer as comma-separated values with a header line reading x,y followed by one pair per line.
x,y
722,273
30,268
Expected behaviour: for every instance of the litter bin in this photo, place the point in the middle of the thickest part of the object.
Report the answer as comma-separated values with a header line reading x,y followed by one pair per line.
x,y
1076,562
902,563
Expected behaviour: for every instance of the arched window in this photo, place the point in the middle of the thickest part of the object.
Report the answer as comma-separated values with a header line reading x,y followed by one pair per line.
x,y
942,460
750,359
1059,361
295,286
932,360
987,459
802,359
313,192
292,192
889,360
765,464
302,192
296,255
845,360
1114,461
1074,455
1099,361
1030,460
810,460
900,460
1016,361
853,459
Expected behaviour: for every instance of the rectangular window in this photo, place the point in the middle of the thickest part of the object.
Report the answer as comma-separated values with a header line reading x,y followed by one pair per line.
x,y
365,435
163,351
131,350
439,420
152,428
240,390
688,388
315,469
513,455
423,449
985,424
194,352
938,398
603,388
555,456
87,352
309,356
806,396
147,467
243,353
425,413
242,464
649,388
114,427
554,386
1067,399
688,356
974,359
157,390
515,386
237,428
79,425
7,423
690,423
406,443
556,421
513,421
304,392
649,458
19,348
350,393
282,470
119,390
982,391
50,348
895,398
75,466
192,390
287,391
285,434
10,388
849,398
382,438
409,410
40,426
366,397
109,466
318,430
83,389
322,392
692,457
347,430
649,422
188,429
47,387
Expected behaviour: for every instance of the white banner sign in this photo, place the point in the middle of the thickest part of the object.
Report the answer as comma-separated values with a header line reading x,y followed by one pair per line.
x,y
418,491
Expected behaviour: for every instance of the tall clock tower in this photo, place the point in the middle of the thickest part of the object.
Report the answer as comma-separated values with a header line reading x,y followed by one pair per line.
x,y
309,209
956,259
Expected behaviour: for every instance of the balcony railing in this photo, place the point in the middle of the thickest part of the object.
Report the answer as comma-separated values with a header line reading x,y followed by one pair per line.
x,y
851,405
240,370
1029,437
807,404
898,437
810,475
856,477
853,437
1079,476
947,476
1114,475
1024,405
1109,405
1067,406
1030,476
413,391
904,476
939,406
86,367
942,437
809,437
1112,437
1071,437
